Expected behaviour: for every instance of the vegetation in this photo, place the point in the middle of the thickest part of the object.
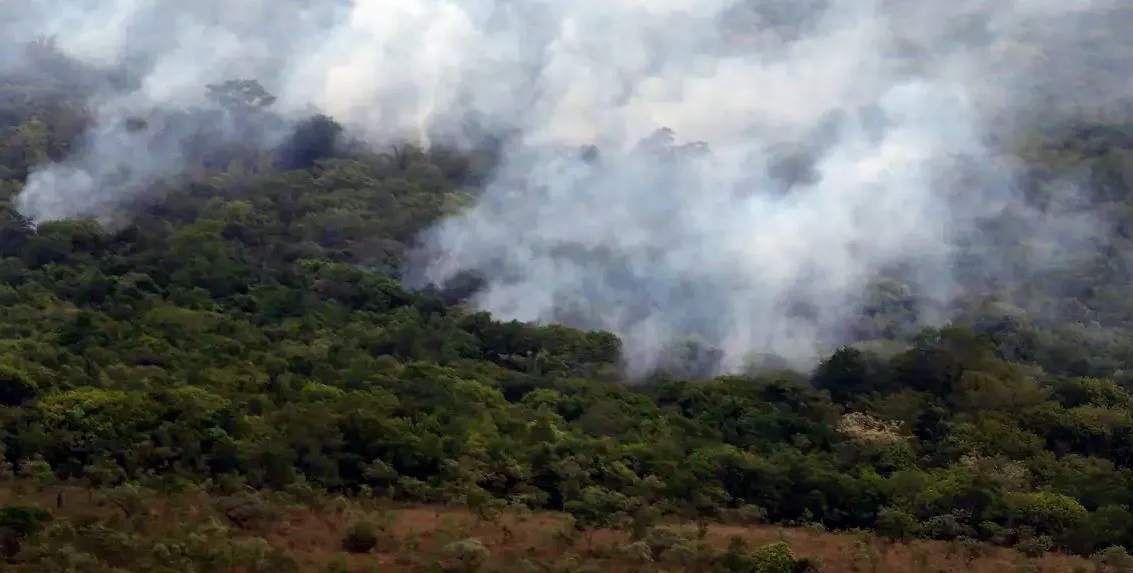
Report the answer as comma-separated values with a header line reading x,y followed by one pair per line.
x,y
236,380
195,531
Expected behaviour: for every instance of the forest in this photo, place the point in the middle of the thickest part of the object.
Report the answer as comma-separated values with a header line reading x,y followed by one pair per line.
x,y
237,370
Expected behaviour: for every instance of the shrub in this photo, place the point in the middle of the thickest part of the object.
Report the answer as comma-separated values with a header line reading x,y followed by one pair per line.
x,y
360,537
17,523
896,524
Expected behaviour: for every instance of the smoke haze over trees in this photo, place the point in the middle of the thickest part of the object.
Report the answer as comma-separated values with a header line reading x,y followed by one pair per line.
x,y
758,165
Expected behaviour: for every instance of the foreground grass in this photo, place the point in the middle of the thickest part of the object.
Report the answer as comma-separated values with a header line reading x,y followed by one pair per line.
x,y
131,529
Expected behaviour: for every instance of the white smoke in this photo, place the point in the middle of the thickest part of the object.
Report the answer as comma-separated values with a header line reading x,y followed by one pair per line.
x,y
887,97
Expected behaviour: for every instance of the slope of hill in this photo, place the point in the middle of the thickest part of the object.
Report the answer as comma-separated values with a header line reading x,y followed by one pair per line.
x,y
243,332
138,529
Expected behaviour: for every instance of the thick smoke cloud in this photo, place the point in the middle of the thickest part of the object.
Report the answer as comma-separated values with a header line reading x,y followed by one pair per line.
x,y
841,138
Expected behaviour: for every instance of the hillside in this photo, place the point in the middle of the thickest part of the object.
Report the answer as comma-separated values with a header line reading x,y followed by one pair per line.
x,y
240,336
137,529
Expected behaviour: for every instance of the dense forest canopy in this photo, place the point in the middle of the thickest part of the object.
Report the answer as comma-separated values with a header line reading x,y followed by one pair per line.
x,y
261,317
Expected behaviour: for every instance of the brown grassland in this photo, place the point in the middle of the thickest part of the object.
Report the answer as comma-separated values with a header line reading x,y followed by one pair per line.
x,y
411,539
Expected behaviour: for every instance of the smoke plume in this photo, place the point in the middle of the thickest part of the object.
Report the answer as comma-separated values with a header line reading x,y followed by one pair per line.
x,y
756,163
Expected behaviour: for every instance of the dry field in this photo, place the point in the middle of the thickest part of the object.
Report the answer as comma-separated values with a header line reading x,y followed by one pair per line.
x,y
413,539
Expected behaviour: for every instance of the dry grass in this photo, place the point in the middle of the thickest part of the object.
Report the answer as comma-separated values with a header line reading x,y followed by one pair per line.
x,y
414,538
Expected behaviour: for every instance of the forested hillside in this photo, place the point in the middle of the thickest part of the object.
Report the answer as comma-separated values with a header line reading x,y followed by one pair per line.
x,y
240,336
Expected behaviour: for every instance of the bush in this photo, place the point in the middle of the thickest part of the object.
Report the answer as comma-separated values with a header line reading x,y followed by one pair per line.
x,y
17,523
896,524
1034,547
945,527
471,554
361,537
774,558
248,510
1115,558
745,515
